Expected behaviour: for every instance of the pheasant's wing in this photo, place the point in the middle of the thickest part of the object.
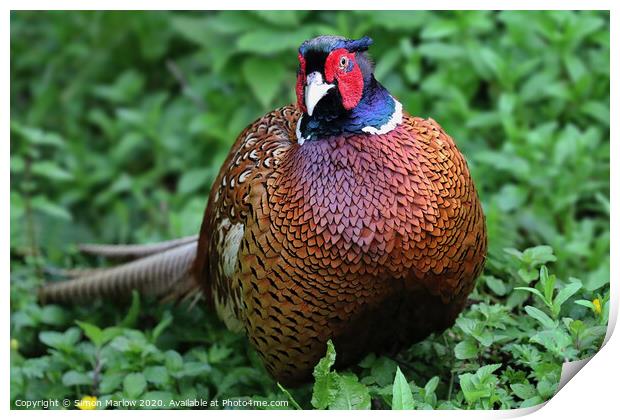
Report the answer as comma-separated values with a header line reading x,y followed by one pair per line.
x,y
234,195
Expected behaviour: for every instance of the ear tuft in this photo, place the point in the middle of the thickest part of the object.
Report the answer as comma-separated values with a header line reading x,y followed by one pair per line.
x,y
358,45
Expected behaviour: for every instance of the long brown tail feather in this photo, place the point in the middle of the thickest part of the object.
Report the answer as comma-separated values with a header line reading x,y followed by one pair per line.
x,y
161,274
134,251
72,273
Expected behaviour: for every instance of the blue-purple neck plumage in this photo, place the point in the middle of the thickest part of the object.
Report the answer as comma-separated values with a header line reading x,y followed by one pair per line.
x,y
338,93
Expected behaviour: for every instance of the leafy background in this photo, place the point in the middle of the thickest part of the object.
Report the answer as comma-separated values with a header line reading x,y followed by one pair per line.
x,y
119,124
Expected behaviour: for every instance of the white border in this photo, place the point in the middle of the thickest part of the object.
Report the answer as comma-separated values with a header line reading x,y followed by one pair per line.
x,y
591,395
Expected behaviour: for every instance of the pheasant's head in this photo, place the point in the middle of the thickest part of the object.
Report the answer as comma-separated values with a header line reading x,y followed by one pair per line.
x,y
330,67
337,91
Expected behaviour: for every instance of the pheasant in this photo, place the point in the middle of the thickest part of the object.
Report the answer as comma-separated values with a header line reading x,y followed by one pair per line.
x,y
341,217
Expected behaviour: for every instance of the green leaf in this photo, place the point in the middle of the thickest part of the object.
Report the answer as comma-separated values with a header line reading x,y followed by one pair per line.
x,y
156,375
218,353
548,283
402,397
35,368
524,391
538,255
390,60
134,311
126,87
163,324
541,317
195,29
368,361
439,28
554,340
532,290
487,370
192,369
264,77
383,370
98,336
480,385
290,397
54,315
72,378
350,394
511,197
597,110
598,278
564,294
17,164
466,349
109,334
514,253
37,136
528,275
407,21
468,325
174,361
45,206
93,332
49,170
470,391
193,179
496,285
546,388
431,385
585,303
134,385
325,386
269,41
575,67
111,382
440,51
62,341
530,402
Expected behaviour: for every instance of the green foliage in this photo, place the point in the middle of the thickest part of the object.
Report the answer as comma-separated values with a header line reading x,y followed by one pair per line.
x,y
402,397
496,356
335,391
121,120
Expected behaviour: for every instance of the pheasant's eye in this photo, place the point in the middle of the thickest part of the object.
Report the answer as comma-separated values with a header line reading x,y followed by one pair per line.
x,y
344,62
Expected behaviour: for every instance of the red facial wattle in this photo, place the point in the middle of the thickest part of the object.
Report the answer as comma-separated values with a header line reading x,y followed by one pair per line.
x,y
301,80
350,79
